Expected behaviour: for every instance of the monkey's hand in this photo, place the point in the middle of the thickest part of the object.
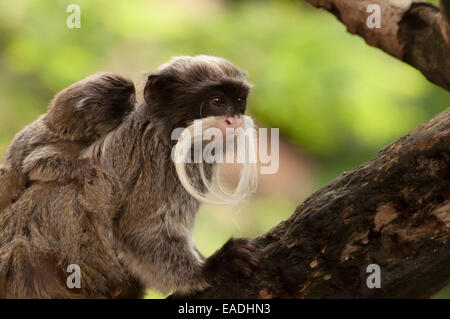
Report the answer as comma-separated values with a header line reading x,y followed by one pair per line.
x,y
12,186
85,171
238,257
54,163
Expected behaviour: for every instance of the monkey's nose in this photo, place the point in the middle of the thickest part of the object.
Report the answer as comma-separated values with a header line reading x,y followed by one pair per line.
x,y
233,122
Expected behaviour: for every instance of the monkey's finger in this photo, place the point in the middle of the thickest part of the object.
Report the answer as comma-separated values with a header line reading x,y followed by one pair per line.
x,y
242,267
253,261
241,242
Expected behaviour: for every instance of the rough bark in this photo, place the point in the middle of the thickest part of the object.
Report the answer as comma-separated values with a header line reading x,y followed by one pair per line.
x,y
415,32
393,211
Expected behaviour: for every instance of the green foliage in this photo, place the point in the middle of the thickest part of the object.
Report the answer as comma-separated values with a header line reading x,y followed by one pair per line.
x,y
329,92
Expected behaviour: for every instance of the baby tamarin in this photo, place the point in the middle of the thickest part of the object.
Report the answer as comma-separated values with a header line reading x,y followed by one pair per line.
x,y
48,149
133,230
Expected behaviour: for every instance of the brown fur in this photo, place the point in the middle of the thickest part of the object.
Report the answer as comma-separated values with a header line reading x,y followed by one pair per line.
x,y
131,225
48,149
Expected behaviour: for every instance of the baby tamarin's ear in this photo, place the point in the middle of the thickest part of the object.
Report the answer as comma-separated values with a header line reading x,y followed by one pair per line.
x,y
81,104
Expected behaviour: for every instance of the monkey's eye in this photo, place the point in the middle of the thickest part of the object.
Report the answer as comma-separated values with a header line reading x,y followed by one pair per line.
x,y
217,101
241,101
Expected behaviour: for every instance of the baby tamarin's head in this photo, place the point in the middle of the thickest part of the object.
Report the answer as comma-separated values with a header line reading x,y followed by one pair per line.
x,y
91,107
214,90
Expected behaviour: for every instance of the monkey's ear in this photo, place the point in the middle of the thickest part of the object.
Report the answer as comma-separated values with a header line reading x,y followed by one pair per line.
x,y
82,103
152,79
154,86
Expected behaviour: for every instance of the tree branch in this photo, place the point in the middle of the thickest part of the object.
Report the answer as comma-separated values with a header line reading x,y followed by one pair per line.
x,y
393,211
413,31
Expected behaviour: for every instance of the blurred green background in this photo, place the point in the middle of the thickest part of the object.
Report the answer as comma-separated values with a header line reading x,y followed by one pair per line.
x,y
336,100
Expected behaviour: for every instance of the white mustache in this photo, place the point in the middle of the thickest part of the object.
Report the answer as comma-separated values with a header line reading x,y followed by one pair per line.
x,y
216,193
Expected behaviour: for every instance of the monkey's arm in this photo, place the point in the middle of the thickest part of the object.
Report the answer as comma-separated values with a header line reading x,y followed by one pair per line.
x,y
56,163
176,263
12,184
238,257
182,265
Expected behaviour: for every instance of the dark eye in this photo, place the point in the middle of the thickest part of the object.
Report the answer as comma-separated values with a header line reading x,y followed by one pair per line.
x,y
241,101
217,101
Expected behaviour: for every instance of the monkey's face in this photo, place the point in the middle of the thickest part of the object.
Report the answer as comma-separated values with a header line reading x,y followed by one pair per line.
x,y
191,88
214,91
228,98
225,102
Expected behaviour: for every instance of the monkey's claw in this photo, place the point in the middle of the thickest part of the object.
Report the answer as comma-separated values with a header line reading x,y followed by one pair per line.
x,y
239,256
19,193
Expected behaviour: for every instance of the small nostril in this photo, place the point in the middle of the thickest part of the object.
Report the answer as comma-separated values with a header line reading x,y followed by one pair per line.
x,y
227,122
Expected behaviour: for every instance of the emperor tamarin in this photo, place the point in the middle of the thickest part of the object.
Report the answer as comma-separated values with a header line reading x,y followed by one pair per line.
x,y
49,148
130,226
